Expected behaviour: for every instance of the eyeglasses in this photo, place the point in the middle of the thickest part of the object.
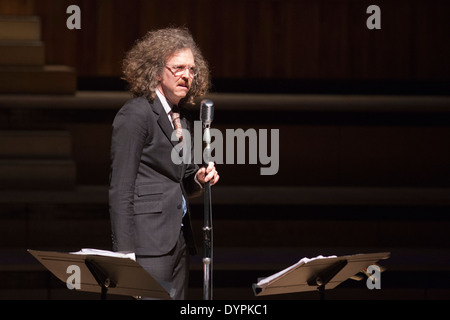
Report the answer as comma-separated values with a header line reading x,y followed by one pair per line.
x,y
179,70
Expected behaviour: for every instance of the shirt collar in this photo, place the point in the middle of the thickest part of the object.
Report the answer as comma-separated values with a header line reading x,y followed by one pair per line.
x,y
166,104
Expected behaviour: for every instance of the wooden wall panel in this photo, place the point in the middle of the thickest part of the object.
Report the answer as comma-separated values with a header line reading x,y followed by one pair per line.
x,y
286,39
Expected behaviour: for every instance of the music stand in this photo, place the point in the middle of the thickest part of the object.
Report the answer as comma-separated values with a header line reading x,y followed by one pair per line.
x,y
317,274
104,274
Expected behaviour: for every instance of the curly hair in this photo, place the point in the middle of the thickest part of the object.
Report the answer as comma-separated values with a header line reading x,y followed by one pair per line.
x,y
145,62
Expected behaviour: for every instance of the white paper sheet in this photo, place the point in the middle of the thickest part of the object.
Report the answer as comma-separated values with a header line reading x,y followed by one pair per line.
x,y
98,252
266,281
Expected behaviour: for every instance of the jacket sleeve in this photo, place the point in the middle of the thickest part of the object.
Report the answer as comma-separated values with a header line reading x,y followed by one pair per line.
x,y
192,186
129,134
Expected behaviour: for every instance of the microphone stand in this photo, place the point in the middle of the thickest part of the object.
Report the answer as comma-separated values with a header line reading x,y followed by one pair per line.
x,y
207,225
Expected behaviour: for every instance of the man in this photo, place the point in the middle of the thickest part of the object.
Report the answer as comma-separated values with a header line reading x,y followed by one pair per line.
x,y
148,196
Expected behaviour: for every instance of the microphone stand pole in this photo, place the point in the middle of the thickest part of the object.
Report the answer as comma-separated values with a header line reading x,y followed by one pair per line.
x,y
207,225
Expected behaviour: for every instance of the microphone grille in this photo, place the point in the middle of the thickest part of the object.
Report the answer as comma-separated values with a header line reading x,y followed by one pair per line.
x,y
206,111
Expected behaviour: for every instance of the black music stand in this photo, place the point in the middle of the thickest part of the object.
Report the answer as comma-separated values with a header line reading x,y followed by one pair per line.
x,y
317,274
104,274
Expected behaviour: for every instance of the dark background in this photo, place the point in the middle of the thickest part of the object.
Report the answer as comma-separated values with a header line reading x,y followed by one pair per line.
x,y
258,39
364,139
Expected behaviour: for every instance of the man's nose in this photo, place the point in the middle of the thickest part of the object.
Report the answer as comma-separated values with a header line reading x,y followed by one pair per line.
x,y
186,73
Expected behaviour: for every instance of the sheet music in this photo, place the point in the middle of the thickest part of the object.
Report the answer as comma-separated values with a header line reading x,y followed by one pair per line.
x,y
266,281
98,252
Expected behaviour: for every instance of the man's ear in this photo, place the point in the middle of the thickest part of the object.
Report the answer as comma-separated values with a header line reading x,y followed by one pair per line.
x,y
159,77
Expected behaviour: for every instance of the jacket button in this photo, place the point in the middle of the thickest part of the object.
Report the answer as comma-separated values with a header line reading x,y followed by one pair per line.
x,y
179,206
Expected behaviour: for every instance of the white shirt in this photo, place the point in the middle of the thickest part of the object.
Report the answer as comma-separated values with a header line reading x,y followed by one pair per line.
x,y
166,104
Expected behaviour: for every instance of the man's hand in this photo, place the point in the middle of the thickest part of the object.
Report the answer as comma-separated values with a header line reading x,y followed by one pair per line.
x,y
208,174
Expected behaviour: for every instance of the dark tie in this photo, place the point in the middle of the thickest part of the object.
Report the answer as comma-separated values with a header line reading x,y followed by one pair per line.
x,y
175,115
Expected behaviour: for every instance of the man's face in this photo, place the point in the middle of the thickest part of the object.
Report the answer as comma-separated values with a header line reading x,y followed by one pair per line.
x,y
176,79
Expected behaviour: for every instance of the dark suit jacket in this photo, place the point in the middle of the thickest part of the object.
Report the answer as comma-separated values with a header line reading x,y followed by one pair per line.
x,y
145,185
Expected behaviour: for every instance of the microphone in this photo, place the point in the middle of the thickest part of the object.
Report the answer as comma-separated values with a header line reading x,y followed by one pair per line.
x,y
206,112
207,116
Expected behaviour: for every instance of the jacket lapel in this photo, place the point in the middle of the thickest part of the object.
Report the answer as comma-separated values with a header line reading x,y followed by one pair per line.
x,y
163,120
165,125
